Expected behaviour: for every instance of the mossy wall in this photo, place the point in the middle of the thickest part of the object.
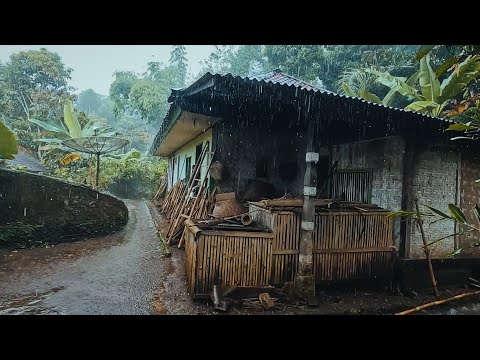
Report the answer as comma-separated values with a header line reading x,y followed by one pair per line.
x,y
37,210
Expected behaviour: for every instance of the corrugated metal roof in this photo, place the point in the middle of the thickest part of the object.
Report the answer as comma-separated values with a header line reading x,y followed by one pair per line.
x,y
278,77
275,77
27,160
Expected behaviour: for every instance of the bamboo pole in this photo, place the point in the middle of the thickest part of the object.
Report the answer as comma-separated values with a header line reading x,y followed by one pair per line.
x,y
176,214
202,188
426,250
438,302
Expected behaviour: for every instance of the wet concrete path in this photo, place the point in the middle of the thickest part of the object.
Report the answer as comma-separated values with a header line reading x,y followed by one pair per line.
x,y
123,273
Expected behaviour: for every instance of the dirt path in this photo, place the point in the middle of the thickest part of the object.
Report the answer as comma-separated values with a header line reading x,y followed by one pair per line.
x,y
123,273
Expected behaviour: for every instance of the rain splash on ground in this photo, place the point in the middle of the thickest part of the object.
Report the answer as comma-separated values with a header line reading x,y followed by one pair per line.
x,y
123,273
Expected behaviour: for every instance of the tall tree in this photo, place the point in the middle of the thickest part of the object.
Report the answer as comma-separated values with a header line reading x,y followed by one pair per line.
x,y
325,64
89,101
147,95
33,83
120,90
178,60
240,60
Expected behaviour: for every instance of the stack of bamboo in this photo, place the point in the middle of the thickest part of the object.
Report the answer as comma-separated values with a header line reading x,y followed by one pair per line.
x,y
173,198
196,208
187,206
160,194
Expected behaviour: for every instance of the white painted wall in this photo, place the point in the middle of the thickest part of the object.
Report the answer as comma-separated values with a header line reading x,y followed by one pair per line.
x,y
188,150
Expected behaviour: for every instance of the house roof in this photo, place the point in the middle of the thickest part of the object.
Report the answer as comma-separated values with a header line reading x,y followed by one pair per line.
x,y
27,160
277,79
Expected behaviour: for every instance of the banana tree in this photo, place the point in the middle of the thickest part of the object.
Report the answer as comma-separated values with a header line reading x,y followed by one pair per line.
x,y
8,143
432,96
400,85
68,128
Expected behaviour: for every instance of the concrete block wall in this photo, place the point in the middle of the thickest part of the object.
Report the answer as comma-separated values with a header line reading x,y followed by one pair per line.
x,y
435,184
239,148
385,158
36,209
470,196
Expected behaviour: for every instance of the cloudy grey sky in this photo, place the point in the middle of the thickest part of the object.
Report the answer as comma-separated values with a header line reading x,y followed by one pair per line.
x,y
93,65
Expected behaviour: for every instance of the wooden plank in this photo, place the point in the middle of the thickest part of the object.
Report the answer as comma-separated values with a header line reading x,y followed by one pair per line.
x,y
286,252
225,196
201,264
216,260
265,235
245,261
316,203
208,268
194,264
407,192
236,260
226,246
352,250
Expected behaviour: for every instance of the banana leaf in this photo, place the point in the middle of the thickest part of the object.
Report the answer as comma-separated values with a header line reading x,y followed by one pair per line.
x,y
458,80
48,126
8,143
460,127
388,99
49,141
447,65
347,90
365,94
71,120
402,87
424,107
423,50
429,84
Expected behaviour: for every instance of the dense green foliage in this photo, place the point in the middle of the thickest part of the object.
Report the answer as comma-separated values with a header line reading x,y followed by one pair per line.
x,y
131,168
440,80
146,95
8,143
33,84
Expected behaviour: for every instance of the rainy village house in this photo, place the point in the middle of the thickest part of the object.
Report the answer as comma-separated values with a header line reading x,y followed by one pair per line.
x,y
305,141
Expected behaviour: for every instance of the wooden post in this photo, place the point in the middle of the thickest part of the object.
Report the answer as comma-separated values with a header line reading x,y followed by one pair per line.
x,y
407,194
426,249
304,280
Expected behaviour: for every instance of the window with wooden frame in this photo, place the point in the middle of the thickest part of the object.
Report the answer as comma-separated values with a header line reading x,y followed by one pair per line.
x,y
352,185
188,168
174,162
178,168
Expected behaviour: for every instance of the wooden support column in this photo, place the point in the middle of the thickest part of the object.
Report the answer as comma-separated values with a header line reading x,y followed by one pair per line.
x,y
407,194
305,281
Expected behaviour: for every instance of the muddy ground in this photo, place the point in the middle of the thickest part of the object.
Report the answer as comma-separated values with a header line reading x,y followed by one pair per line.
x,y
123,273
343,300
131,272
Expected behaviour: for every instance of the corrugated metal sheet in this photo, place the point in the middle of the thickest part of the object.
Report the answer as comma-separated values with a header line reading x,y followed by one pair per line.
x,y
24,159
277,78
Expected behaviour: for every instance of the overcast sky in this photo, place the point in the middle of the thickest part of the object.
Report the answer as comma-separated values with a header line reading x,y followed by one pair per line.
x,y
93,65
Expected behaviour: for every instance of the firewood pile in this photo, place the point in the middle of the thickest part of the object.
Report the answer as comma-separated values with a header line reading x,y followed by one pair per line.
x,y
159,197
188,200
172,198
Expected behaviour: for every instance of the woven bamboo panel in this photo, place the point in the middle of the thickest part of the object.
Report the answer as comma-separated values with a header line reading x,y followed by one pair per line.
x,y
190,260
346,246
286,245
217,258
